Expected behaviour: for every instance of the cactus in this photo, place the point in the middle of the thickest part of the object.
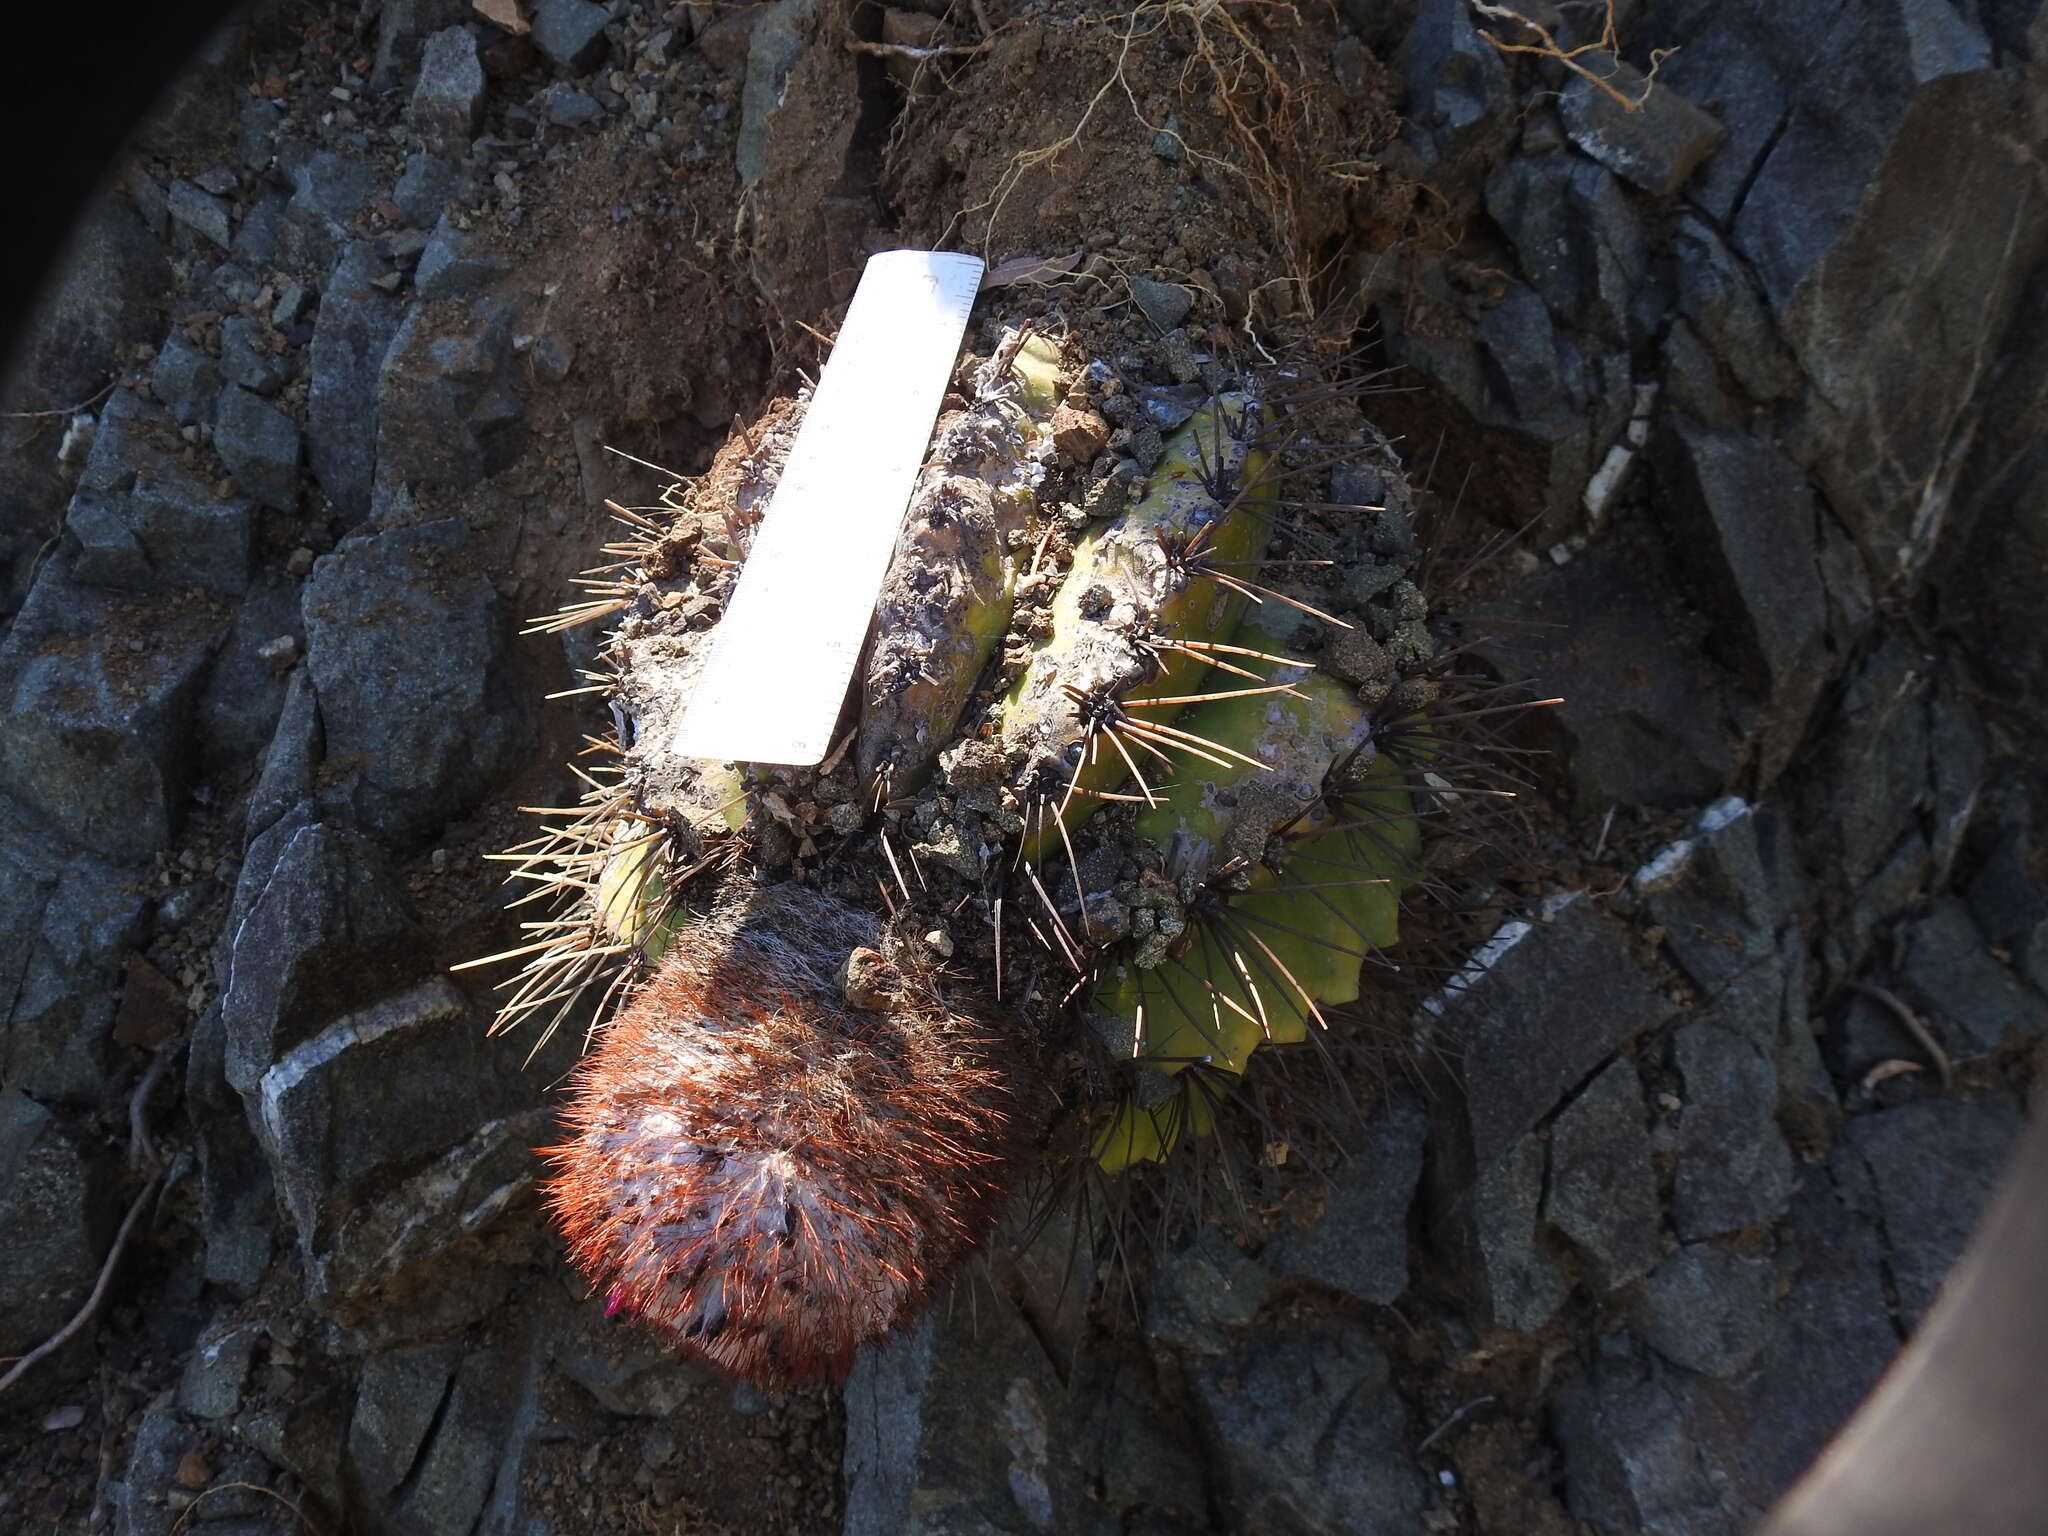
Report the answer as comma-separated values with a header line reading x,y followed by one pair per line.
x,y
1135,626
947,598
1257,965
1272,809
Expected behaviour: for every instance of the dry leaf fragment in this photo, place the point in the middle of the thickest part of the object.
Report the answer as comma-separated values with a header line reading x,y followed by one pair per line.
x,y
503,13
1030,269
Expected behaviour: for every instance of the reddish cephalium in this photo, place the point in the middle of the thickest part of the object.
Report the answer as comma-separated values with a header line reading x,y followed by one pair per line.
x,y
769,1173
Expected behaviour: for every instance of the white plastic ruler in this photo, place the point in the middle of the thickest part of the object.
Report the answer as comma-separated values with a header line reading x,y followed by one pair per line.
x,y
782,656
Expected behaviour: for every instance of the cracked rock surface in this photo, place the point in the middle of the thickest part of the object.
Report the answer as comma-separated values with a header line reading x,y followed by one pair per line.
x,y
1633,1195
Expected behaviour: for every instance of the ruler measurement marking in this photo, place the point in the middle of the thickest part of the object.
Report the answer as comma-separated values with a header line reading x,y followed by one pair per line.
x,y
784,654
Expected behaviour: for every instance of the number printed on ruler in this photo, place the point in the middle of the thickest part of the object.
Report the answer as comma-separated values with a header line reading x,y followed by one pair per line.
x,y
784,653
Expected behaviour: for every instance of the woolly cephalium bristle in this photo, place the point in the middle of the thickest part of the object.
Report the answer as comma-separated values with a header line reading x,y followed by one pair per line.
x,y
770,1173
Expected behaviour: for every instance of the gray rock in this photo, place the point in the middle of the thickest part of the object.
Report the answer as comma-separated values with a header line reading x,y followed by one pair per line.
x,y
1577,238
57,1205
1751,547
1889,159
1709,1310
1629,1428
1932,1166
161,1441
211,1385
954,1427
237,1205
318,928
1650,1448
2004,898
96,705
246,689
1657,145
1202,1287
260,446
292,758
1828,153
1458,94
1311,1435
630,1373
232,285
1891,791
411,677
262,231
1834,1333
1603,1191
570,33
1520,1285
448,413
777,39
201,212
108,554
1721,299
328,190
448,100
245,358
303,1432
1546,1006
487,1171
1136,1448
1734,1169
1723,892
373,1091
453,264
141,190
291,306
1732,65
1950,975
1360,1246
1164,304
1529,382
68,921
475,1432
403,28
1658,733
143,523
350,339
551,358
567,107
236,1501
106,294
398,1396
186,380
427,186
256,142
1500,356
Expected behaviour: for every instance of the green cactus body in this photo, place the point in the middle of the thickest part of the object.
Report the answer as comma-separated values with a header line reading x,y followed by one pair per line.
x,y
952,584
1259,965
1126,587
1212,814
631,902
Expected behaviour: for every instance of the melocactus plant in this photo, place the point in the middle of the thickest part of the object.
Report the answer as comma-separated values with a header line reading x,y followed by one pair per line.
x,y
1144,741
